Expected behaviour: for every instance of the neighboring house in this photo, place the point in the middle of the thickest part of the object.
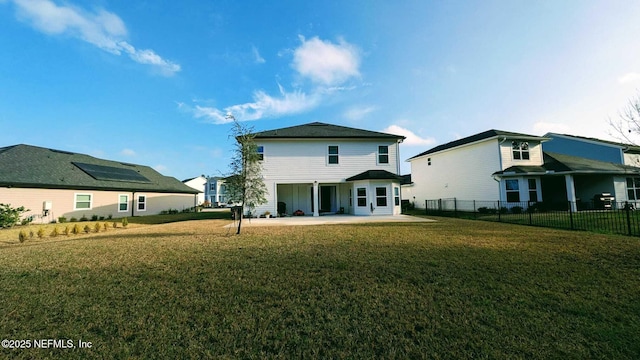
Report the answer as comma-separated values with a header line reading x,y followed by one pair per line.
x,y
595,149
54,183
216,191
198,183
512,168
320,168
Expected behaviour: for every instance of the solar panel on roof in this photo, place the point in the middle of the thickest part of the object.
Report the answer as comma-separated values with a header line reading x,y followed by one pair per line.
x,y
101,172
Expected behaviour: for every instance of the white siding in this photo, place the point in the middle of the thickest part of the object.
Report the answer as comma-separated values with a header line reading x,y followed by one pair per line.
x,y
506,153
463,173
295,161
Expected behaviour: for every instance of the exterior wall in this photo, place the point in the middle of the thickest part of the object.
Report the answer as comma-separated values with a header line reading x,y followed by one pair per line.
x,y
583,148
103,203
632,159
303,162
296,161
463,173
506,154
199,184
371,208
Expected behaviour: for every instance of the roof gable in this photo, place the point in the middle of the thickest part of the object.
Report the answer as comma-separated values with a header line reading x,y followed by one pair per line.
x,y
318,130
36,167
485,135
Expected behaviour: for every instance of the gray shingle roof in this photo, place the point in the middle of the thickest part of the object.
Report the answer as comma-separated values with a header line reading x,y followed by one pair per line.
x,y
561,163
321,130
477,137
375,175
25,166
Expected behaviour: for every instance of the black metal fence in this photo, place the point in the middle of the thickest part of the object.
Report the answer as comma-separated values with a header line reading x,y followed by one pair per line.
x,y
614,217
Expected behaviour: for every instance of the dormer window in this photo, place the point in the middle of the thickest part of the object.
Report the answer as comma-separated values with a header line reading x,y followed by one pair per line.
x,y
520,150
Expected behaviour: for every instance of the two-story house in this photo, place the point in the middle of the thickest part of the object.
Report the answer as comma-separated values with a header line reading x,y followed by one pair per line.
x,y
513,168
320,168
216,191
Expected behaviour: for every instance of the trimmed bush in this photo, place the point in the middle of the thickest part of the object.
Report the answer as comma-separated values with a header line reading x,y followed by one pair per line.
x,y
84,218
125,222
66,230
62,219
73,219
94,217
22,236
87,229
55,232
40,233
97,227
76,229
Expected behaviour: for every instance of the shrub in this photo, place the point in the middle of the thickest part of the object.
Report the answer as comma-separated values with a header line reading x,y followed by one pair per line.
x,y
125,222
62,219
55,232
40,233
97,227
504,210
115,224
84,218
31,234
22,236
101,218
66,230
516,210
87,229
94,217
105,226
76,229
10,216
73,219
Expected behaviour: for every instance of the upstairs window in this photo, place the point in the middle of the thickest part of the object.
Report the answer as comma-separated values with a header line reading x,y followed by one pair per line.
x,y
332,154
260,151
383,154
520,150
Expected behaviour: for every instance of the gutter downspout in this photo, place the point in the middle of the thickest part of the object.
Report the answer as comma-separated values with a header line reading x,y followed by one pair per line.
x,y
133,203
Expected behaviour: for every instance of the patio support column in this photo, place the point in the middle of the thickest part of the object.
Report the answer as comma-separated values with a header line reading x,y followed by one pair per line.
x,y
316,204
571,192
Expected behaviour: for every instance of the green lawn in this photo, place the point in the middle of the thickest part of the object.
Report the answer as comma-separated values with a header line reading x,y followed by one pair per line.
x,y
450,289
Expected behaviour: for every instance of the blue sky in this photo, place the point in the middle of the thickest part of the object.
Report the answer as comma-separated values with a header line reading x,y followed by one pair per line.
x,y
150,82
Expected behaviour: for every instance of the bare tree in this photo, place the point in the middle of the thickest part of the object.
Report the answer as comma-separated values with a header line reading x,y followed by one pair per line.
x,y
245,185
627,127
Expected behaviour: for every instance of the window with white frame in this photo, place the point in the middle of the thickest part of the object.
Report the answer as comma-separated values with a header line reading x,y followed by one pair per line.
x,y
381,196
533,190
396,196
520,150
123,203
361,196
332,154
260,151
383,154
83,202
513,190
142,202
633,188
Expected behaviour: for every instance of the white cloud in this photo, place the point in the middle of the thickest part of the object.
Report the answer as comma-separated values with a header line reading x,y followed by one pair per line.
x,y
263,106
160,168
127,152
411,138
629,77
326,63
358,112
256,55
102,29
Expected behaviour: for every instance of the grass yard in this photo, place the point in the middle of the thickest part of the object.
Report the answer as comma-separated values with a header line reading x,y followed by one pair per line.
x,y
450,289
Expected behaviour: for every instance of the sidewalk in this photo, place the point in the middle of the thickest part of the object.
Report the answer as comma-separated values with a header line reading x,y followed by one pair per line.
x,y
329,219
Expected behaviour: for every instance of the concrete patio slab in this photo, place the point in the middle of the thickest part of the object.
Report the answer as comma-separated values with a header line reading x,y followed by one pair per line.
x,y
329,219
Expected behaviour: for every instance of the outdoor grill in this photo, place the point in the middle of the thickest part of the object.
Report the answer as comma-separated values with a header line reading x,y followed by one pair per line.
x,y
603,201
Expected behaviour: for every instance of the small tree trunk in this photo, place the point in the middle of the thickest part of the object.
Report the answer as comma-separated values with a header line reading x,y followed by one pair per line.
x,y
239,223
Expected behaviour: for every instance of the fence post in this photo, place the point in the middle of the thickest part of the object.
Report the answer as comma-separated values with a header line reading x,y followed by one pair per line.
x,y
626,209
529,211
499,212
570,215
474,209
455,207
440,205
426,207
